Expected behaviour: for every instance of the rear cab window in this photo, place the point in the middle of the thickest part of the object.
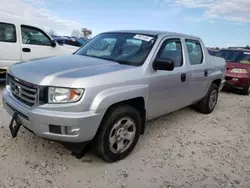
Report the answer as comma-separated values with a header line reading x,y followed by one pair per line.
x,y
7,32
195,52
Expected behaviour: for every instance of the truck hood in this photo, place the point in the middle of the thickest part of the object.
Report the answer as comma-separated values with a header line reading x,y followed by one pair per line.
x,y
231,65
69,48
63,70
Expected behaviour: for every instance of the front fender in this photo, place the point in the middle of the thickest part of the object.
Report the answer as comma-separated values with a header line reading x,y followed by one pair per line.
x,y
111,96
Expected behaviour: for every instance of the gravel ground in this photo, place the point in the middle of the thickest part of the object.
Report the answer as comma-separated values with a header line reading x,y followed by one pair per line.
x,y
183,149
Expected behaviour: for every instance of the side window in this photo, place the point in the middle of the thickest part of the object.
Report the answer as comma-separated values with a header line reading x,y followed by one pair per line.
x,y
102,48
171,49
195,53
7,33
34,36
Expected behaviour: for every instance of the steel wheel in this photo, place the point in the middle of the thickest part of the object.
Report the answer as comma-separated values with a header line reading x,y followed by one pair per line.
x,y
119,133
122,135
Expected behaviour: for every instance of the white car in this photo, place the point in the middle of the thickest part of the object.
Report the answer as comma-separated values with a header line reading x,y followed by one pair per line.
x,y
21,42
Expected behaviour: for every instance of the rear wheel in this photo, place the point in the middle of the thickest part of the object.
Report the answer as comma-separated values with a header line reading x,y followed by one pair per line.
x,y
119,132
246,90
208,103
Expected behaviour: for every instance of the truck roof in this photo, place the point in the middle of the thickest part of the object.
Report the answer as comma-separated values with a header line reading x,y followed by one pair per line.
x,y
237,49
153,32
17,21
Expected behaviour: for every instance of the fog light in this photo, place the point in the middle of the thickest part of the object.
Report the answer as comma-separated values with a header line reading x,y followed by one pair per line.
x,y
72,130
235,79
56,129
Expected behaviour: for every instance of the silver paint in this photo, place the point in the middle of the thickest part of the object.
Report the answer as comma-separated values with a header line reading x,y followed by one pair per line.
x,y
107,82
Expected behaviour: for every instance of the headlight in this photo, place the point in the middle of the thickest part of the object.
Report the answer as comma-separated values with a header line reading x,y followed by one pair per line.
x,y
243,71
64,95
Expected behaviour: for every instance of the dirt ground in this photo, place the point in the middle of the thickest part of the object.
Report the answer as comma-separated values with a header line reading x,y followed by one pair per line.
x,y
183,149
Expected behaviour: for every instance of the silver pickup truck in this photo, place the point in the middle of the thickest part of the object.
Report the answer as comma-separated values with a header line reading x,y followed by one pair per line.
x,y
105,92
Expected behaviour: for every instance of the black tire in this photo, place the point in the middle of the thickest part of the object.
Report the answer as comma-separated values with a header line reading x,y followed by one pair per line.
x,y
101,142
246,90
203,105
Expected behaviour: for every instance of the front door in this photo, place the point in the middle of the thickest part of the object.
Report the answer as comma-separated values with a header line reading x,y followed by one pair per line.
x,y
168,89
9,45
36,44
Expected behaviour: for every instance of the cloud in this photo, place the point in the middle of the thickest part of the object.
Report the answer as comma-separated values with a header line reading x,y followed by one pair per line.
x,y
212,22
35,13
233,10
195,3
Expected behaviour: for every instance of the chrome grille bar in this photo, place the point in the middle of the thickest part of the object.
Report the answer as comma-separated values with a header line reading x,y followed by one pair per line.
x,y
23,91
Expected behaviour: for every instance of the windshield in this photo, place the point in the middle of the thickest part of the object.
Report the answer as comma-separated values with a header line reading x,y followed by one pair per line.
x,y
124,48
213,53
235,56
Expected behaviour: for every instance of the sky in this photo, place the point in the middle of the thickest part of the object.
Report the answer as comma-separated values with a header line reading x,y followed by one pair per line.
x,y
220,23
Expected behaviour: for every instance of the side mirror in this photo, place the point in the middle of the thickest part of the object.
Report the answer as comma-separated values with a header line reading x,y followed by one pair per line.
x,y
163,64
53,43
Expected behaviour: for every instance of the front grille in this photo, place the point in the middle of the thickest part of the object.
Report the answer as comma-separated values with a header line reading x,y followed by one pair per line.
x,y
23,91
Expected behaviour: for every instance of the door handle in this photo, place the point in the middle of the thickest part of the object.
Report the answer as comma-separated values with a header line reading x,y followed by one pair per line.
x,y
205,73
26,50
183,77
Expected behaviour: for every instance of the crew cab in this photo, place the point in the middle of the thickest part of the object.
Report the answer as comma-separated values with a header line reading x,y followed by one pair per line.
x,y
238,69
20,41
103,94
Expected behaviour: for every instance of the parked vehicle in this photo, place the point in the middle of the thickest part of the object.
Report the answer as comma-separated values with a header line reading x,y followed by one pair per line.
x,y
71,41
67,41
213,52
21,42
104,93
238,69
236,47
83,41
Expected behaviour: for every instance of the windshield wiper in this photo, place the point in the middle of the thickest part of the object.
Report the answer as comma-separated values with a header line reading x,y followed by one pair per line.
x,y
124,62
114,60
121,62
98,57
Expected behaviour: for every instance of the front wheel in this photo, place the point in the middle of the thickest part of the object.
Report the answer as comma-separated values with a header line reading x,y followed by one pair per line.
x,y
246,90
119,132
208,103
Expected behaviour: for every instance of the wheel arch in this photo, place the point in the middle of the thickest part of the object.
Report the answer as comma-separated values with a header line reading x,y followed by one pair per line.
x,y
138,103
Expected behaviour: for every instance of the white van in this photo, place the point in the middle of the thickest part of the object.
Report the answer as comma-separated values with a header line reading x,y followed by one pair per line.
x,y
20,42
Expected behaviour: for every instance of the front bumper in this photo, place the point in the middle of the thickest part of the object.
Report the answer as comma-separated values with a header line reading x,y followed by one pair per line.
x,y
39,120
222,85
238,81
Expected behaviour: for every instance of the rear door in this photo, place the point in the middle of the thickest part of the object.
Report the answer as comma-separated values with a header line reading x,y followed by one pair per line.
x,y
198,70
36,43
9,45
